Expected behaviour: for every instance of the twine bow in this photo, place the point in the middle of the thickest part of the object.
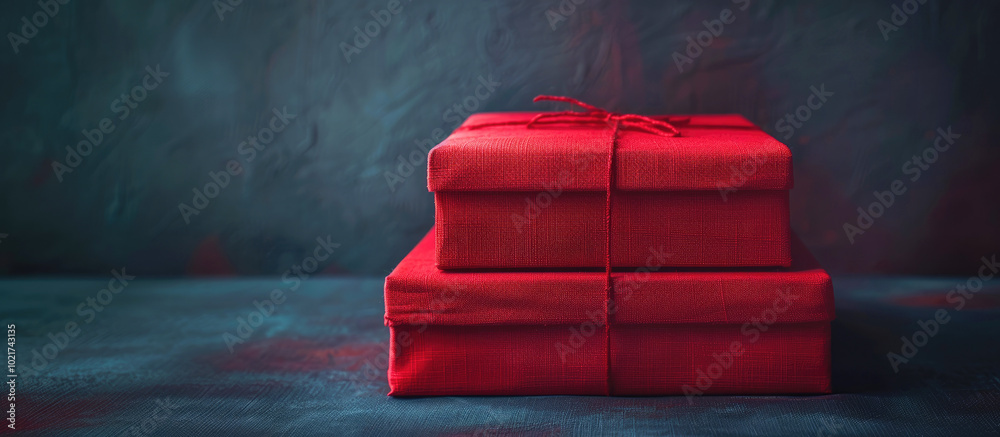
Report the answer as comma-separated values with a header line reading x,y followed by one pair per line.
x,y
593,114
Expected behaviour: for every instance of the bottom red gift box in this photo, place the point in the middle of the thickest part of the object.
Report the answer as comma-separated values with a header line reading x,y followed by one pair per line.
x,y
705,331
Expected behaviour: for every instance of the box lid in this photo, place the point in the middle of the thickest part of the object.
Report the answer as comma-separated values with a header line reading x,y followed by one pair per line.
x,y
713,152
417,293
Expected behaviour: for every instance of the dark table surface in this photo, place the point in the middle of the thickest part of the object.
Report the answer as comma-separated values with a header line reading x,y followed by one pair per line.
x,y
155,361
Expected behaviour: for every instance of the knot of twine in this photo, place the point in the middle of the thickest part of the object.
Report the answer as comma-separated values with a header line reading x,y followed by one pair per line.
x,y
593,114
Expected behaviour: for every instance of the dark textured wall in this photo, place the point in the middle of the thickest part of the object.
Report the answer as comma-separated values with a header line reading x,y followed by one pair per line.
x,y
324,174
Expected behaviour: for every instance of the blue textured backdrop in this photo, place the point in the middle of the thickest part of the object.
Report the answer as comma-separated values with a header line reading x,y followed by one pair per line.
x,y
324,174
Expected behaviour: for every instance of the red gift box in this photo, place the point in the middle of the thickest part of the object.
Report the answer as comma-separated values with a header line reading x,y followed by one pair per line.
x,y
709,331
511,194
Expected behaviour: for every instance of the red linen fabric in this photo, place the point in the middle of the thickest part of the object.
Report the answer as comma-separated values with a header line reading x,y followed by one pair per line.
x,y
698,229
518,158
509,196
522,332
646,360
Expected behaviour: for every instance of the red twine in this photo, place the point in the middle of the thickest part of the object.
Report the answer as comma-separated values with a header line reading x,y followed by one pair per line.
x,y
591,115
594,114
617,121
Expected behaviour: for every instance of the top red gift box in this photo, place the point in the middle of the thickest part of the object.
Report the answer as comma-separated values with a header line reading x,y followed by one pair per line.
x,y
531,190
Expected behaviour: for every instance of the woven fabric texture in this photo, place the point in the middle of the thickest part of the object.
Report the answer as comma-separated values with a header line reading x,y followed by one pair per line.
x,y
535,230
518,158
491,332
509,196
646,360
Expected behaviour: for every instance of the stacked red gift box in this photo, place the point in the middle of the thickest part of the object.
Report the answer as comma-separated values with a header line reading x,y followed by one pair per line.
x,y
592,253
